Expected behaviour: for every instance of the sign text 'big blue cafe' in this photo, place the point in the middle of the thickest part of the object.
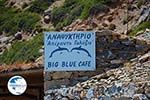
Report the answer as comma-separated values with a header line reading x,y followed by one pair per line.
x,y
69,51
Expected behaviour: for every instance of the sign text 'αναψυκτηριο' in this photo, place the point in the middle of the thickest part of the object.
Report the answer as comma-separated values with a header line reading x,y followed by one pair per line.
x,y
69,51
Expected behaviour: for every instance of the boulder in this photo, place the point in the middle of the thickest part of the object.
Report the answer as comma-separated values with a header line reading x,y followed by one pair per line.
x,y
145,57
18,36
112,27
110,18
47,19
145,13
144,35
5,39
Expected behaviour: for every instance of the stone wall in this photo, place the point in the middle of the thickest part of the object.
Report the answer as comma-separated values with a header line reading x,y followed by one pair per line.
x,y
112,51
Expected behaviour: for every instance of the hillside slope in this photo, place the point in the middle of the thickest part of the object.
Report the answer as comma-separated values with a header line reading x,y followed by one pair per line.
x,y
20,21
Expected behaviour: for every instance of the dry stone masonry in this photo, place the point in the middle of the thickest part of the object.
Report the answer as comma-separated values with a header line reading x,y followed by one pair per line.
x,y
122,72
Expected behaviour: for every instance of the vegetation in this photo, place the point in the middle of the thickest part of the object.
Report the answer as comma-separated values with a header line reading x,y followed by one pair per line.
x,y
140,27
12,20
64,15
39,6
73,9
140,3
23,51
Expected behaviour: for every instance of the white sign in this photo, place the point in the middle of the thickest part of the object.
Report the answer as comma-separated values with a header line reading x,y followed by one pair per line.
x,y
69,51
17,85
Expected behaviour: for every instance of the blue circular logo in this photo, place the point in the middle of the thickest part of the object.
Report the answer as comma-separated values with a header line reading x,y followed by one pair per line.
x,y
17,85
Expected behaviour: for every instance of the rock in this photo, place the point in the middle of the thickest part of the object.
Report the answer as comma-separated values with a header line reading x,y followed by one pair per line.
x,y
147,95
8,45
81,29
145,57
100,98
141,48
146,64
113,90
55,83
145,13
39,61
116,44
47,76
144,35
128,42
59,97
140,89
18,36
48,97
105,54
1,33
70,96
63,91
18,4
101,76
110,18
136,98
147,90
5,39
126,55
84,78
104,24
129,91
82,94
41,51
61,75
139,97
107,98
46,19
116,61
112,27
76,98
90,93
99,9
1,50
94,24
122,98
64,98
12,3
113,1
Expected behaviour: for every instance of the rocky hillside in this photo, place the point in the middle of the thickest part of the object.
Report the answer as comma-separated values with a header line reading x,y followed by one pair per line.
x,y
21,20
130,82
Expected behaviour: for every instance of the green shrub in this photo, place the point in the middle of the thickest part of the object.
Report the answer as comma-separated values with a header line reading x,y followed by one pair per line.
x,y
2,2
12,20
73,9
39,6
87,4
97,8
27,20
140,3
23,51
64,16
58,15
140,27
